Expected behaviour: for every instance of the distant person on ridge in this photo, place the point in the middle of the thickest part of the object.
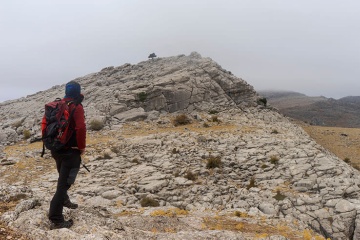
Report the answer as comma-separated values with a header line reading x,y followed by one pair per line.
x,y
68,159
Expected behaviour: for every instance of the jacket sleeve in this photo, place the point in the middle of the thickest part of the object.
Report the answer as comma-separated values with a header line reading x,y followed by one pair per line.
x,y
80,126
43,126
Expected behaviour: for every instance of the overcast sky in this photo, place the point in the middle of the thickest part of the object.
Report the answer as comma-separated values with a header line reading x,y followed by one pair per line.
x,y
308,46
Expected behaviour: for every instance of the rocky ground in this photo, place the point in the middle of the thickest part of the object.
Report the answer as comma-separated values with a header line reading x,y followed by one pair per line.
x,y
273,180
239,170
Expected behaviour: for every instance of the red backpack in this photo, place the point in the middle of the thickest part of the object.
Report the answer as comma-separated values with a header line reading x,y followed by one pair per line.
x,y
55,125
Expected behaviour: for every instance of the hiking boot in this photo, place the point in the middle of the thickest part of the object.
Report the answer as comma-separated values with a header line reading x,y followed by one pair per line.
x,y
64,224
69,204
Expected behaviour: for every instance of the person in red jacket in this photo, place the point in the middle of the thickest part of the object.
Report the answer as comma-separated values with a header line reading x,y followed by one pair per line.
x,y
68,159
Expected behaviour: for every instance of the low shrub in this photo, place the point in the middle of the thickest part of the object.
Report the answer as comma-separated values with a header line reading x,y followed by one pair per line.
x,y
181,119
175,151
149,202
142,96
213,162
274,131
274,159
279,196
135,160
27,134
347,160
190,176
264,166
205,125
251,183
262,101
96,125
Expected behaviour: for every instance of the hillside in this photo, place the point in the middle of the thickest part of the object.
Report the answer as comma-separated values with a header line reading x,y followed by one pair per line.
x,y
238,170
317,110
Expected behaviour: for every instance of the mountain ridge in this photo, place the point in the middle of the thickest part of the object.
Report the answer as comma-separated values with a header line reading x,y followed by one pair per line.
x,y
320,111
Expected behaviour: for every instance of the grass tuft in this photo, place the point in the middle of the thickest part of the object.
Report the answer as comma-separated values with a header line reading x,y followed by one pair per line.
x,y
149,202
213,162
181,119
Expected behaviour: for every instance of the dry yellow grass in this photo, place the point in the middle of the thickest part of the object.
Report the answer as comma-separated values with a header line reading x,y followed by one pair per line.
x,y
256,229
343,142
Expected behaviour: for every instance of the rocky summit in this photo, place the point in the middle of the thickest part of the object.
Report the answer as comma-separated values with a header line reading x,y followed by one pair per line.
x,y
178,148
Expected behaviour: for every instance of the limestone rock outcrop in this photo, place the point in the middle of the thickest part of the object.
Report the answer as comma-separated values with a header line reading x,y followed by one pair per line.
x,y
135,92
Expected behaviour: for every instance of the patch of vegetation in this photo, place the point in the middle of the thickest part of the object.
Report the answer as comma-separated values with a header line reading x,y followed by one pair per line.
x,y
252,183
347,160
96,125
241,214
135,160
262,101
142,96
213,112
205,125
213,162
190,175
181,119
27,134
177,173
264,166
149,202
279,196
274,131
175,151
169,212
274,160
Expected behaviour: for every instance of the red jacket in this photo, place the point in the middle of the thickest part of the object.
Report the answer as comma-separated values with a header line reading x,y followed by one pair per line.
x,y
77,123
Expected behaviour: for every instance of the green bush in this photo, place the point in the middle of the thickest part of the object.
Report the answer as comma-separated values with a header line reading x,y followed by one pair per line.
x,y
279,196
149,202
142,96
27,134
96,125
213,162
181,119
347,160
262,101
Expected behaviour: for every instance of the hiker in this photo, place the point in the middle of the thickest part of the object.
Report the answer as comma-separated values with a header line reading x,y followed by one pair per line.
x,y
68,159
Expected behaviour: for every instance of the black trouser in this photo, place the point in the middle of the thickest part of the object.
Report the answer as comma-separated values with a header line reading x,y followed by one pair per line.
x,y
67,164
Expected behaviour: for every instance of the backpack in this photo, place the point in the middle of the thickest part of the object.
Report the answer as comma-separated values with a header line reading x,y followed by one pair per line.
x,y
55,126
